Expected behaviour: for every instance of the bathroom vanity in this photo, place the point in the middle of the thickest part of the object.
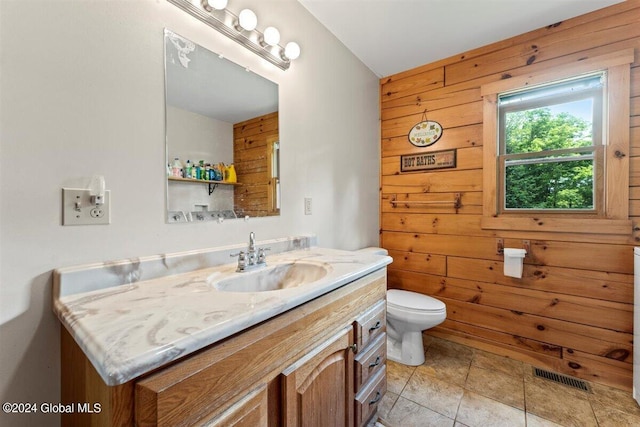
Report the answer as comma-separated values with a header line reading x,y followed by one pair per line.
x,y
189,341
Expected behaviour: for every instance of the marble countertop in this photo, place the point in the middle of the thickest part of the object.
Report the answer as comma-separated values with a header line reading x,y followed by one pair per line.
x,y
129,329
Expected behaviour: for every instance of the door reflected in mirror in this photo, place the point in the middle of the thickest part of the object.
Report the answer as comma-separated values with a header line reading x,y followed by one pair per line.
x,y
222,137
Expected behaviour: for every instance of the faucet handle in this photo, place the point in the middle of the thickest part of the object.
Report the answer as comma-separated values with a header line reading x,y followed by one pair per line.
x,y
261,255
241,260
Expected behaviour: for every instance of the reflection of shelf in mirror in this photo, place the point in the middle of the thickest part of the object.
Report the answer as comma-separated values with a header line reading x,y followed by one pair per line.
x,y
201,181
212,184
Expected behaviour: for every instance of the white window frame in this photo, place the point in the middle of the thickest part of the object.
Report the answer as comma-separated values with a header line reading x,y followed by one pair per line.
x,y
593,152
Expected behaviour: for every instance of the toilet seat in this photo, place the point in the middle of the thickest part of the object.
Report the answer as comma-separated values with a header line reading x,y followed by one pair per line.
x,y
413,302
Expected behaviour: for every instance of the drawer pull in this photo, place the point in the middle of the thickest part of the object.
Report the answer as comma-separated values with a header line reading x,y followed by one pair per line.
x,y
378,325
375,399
376,363
354,348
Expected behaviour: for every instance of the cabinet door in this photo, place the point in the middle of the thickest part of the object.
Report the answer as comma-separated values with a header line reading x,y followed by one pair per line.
x,y
318,389
249,411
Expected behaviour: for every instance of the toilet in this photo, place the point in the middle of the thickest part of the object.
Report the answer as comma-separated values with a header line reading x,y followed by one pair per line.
x,y
408,314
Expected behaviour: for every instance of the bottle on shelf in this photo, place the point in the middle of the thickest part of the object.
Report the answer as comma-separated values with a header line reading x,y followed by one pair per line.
x,y
201,175
187,169
176,167
223,171
231,174
217,175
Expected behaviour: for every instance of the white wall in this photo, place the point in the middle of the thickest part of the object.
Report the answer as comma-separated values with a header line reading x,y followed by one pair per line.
x,y
82,92
192,136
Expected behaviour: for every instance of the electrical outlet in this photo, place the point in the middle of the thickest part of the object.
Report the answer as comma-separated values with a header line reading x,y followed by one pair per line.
x,y
307,205
96,213
77,208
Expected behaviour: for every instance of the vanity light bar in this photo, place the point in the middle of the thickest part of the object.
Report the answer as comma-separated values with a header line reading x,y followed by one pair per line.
x,y
229,24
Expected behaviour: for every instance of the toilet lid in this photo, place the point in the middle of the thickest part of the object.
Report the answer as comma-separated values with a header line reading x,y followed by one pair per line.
x,y
413,300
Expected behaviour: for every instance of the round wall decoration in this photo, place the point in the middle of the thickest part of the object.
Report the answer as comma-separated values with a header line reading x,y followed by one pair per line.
x,y
425,133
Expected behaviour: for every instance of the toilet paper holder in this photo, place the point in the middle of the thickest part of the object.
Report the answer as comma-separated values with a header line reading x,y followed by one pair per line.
x,y
526,245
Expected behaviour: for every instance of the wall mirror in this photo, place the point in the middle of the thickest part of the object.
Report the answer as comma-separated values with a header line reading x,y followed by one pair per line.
x,y
222,138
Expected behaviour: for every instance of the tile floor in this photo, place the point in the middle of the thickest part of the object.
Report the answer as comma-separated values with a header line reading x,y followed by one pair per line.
x,y
459,386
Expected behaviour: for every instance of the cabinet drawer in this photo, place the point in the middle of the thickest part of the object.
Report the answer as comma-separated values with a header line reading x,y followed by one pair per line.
x,y
371,360
371,324
368,399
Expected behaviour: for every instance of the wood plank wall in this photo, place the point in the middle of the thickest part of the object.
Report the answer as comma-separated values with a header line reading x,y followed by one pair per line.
x,y
251,159
572,312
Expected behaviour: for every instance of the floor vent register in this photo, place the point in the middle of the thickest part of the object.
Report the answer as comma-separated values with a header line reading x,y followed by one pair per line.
x,y
561,379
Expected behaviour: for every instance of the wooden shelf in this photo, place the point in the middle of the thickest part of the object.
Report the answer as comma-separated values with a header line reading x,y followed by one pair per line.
x,y
212,184
201,181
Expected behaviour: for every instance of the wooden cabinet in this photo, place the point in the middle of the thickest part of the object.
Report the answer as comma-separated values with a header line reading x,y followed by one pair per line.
x,y
295,369
370,360
371,324
370,368
369,397
249,411
318,389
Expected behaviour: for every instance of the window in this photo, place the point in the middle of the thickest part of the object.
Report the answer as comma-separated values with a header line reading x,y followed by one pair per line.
x,y
550,140
556,148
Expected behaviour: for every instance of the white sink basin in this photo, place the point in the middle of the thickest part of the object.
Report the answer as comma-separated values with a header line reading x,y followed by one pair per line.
x,y
274,278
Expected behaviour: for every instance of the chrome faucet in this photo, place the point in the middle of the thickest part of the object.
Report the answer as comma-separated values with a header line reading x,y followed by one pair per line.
x,y
251,251
252,241
252,259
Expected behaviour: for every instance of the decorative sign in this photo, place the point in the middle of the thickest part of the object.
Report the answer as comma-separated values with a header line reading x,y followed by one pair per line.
x,y
433,160
425,133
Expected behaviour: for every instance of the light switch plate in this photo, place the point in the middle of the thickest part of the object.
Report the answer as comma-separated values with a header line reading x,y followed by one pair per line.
x,y
87,213
307,206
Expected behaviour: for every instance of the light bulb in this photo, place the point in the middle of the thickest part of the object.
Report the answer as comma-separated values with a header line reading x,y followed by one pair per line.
x,y
209,5
247,19
292,50
218,4
271,36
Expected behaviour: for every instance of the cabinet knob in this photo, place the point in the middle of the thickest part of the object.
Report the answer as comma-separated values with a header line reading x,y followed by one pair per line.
x,y
375,399
354,348
376,363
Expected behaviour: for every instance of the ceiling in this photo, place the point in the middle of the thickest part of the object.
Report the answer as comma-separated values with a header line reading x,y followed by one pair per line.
x,y
202,82
390,36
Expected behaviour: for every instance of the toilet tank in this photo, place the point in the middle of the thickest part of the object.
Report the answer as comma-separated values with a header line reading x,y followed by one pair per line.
x,y
374,250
